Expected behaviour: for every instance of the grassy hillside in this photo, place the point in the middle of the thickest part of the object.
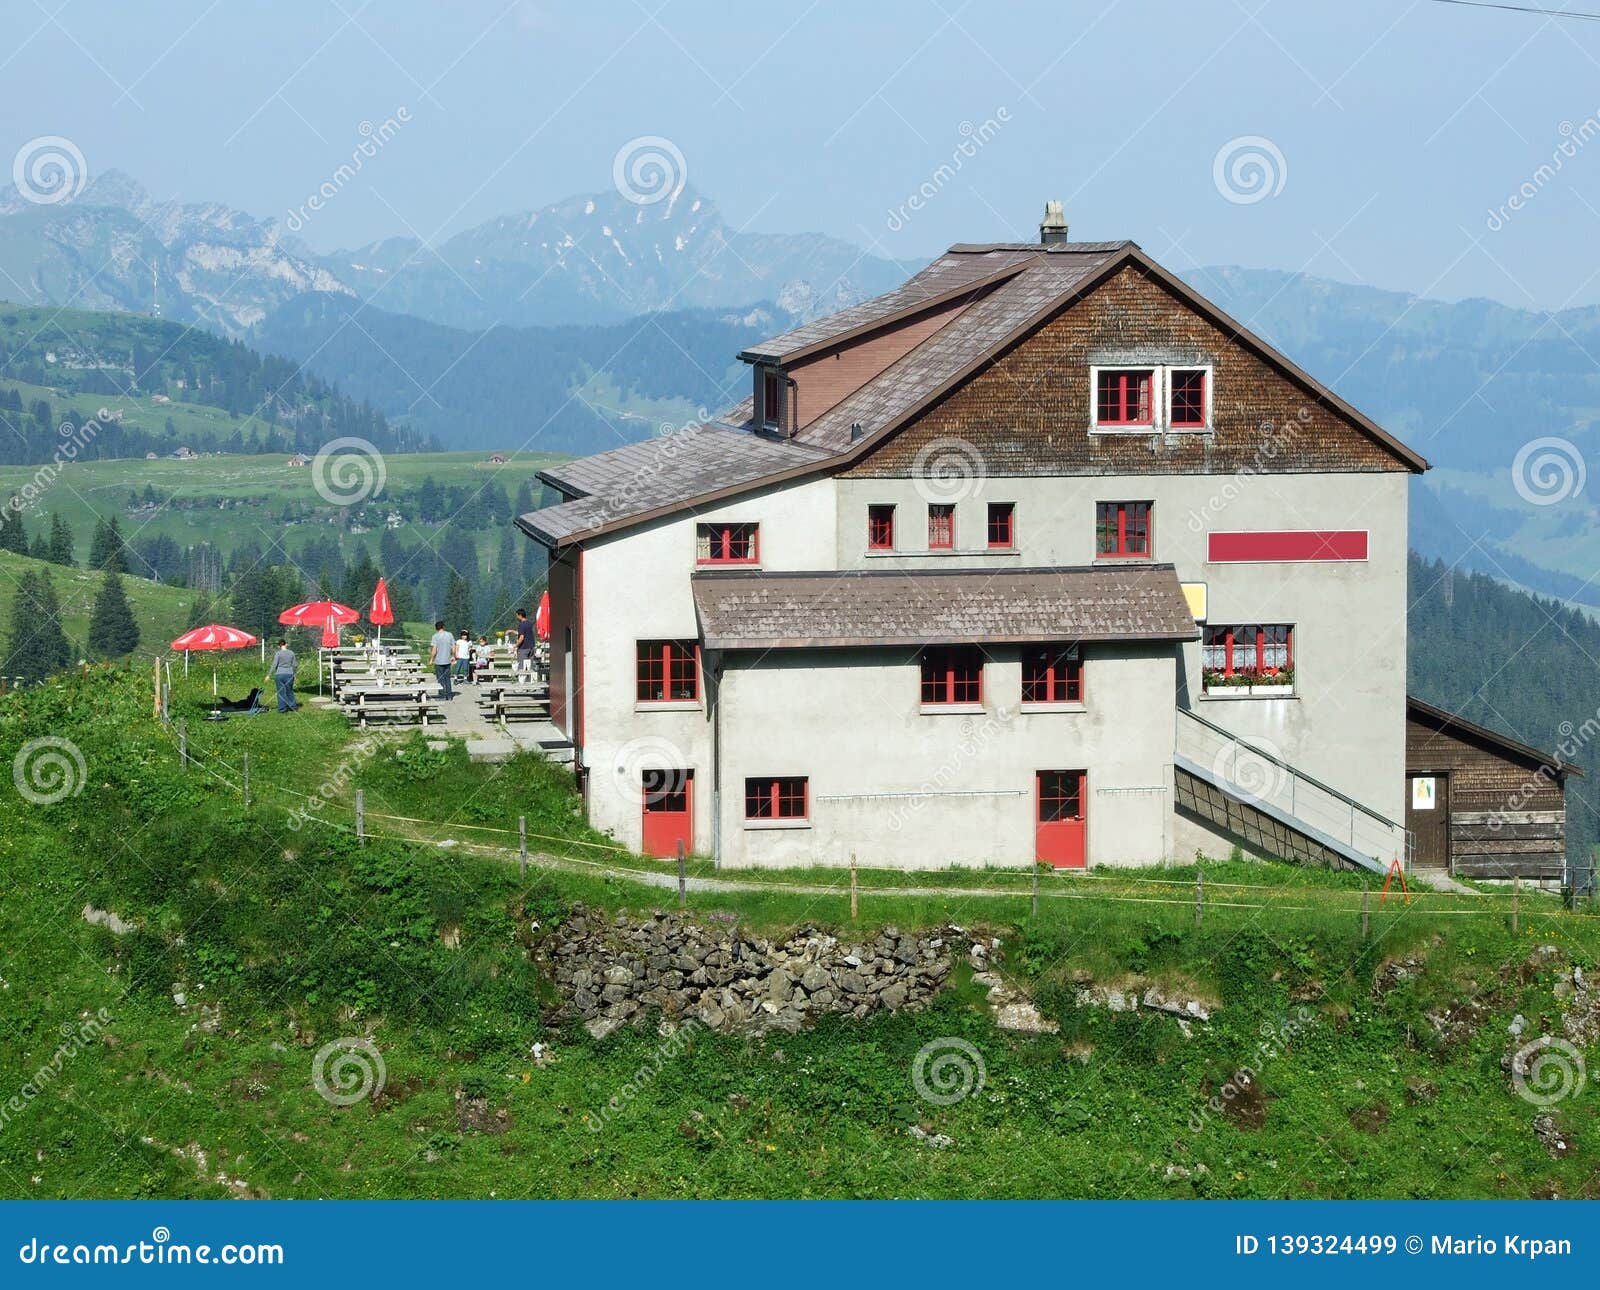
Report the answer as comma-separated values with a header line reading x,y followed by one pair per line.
x,y
254,938
233,499
161,612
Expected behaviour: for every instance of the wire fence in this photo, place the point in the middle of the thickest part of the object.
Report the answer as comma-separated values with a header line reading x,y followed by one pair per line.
x,y
1102,886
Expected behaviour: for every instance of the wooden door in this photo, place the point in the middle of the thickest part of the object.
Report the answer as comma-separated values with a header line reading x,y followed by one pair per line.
x,y
1061,818
1428,820
668,811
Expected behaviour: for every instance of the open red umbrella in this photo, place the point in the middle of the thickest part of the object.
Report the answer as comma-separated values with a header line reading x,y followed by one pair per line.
x,y
541,619
214,636
326,614
380,612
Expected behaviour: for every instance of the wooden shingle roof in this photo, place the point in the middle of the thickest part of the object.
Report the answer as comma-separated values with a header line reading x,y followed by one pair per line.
x,y
868,607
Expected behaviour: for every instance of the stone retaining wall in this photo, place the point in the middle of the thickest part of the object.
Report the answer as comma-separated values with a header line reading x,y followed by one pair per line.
x,y
628,969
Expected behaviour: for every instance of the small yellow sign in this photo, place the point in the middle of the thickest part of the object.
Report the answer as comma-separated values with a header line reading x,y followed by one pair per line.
x,y
1195,594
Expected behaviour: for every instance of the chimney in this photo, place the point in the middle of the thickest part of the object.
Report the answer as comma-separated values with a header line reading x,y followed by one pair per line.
x,y
1053,227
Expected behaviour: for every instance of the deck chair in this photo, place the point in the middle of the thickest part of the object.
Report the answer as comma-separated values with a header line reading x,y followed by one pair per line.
x,y
250,703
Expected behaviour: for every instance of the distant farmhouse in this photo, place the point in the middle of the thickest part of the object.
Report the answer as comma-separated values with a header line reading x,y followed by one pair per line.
x,y
299,459
1039,557
497,459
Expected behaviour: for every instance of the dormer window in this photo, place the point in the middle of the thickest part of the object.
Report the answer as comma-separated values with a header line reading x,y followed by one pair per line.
x,y
771,398
1150,400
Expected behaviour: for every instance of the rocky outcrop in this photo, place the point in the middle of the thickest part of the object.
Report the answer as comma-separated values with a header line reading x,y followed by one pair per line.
x,y
626,969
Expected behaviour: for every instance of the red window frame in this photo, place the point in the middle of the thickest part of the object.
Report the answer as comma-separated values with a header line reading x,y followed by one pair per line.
x,y
1257,652
1002,526
1125,396
725,542
781,797
1186,398
952,674
1052,675
667,672
880,526
1124,530
771,398
941,526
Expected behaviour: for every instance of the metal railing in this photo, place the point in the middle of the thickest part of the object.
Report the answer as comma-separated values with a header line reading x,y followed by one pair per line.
x,y
1259,777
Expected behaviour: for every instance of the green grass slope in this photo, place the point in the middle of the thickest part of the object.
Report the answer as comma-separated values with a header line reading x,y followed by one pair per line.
x,y
176,1056
161,612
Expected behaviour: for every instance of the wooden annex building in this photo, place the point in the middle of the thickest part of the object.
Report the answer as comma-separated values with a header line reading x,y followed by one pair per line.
x,y
1481,805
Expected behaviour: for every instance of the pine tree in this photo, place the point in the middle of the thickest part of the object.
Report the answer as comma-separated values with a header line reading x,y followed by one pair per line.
x,y
60,548
457,612
39,548
501,618
12,535
199,612
105,549
38,647
112,629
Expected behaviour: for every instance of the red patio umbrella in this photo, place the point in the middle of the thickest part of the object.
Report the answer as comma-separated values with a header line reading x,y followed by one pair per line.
x,y
380,612
214,636
541,619
326,614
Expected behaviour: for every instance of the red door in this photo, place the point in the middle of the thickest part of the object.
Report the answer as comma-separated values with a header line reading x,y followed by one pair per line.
x,y
1061,833
668,811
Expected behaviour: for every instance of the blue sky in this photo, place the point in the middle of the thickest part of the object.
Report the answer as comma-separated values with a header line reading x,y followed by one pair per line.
x,y
1389,130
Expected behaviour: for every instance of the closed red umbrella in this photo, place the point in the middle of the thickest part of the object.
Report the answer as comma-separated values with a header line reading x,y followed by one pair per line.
x,y
213,636
541,619
380,612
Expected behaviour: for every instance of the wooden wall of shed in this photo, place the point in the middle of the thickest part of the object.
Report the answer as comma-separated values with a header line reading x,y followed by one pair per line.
x,y
1506,819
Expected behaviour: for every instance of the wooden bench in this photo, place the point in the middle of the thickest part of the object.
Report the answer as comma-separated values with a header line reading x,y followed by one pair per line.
x,y
408,710
520,707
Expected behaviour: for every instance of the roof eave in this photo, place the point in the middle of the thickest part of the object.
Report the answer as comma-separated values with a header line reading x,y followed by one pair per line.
x,y
918,642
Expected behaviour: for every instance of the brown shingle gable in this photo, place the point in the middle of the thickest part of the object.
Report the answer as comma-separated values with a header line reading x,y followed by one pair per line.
x,y
752,610
1027,412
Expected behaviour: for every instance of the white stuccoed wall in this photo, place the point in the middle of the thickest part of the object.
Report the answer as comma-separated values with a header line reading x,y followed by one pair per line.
x,y
893,784
1346,723
636,587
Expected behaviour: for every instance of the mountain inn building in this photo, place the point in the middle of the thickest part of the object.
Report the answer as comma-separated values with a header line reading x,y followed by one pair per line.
x,y
1038,557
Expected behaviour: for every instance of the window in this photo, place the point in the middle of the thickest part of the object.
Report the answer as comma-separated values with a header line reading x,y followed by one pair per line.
x,y
1060,796
784,798
1123,529
952,674
1052,675
771,397
941,526
880,528
1187,403
1123,396
1255,656
727,543
668,672
1002,525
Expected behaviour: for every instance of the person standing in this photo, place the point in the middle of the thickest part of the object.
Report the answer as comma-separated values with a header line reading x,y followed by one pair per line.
x,y
525,643
284,666
463,652
441,650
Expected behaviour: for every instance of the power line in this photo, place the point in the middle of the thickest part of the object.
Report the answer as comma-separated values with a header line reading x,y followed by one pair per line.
x,y
1522,8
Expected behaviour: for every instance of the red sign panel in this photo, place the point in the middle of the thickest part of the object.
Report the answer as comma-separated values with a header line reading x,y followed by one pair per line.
x,y
1287,545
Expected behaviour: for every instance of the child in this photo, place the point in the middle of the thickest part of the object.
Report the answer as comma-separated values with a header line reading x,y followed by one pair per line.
x,y
482,659
463,654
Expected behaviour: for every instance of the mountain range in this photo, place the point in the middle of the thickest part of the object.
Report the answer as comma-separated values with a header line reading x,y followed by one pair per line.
x,y
592,259
598,319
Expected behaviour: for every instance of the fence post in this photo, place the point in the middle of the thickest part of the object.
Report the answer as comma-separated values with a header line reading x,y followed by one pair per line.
x,y
1516,901
157,691
247,780
1199,896
1036,889
522,846
683,876
361,815
855,899
1366,914
183,743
